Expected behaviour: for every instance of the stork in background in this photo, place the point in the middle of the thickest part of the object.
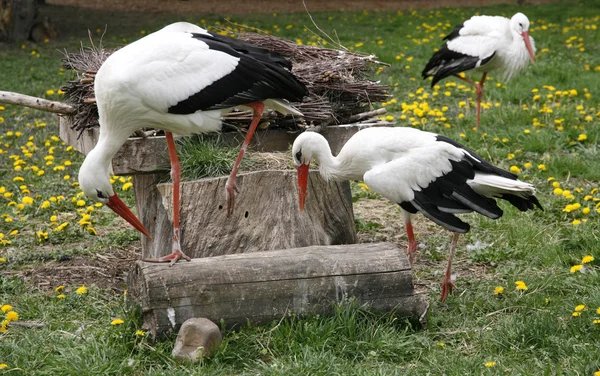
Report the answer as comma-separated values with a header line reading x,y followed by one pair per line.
x,y
422,172
181,79
483,44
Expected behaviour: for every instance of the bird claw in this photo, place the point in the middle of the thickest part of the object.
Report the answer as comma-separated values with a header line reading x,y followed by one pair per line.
x,y
412,252
447,287
175,256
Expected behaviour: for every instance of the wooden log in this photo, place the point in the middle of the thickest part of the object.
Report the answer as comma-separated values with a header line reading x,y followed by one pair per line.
x,y
266,215
265,286
148,155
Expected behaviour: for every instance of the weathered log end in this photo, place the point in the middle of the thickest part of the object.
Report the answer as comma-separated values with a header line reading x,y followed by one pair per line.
x,y
262,287
265,217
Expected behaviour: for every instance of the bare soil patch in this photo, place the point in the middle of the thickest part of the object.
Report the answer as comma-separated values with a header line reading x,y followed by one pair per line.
x,y
106,271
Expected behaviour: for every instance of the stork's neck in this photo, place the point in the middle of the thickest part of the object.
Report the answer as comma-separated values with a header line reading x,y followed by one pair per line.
x,y
330,167
100,157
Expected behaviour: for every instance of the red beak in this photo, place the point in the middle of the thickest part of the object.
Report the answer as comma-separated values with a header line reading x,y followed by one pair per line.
x,y
528,45
302,183
119,207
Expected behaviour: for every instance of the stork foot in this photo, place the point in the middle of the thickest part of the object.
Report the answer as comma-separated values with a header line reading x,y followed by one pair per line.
x,y
447,287
175,256
412,252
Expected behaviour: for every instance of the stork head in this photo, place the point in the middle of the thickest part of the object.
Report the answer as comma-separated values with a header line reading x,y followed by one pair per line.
x,y
520,24
94,180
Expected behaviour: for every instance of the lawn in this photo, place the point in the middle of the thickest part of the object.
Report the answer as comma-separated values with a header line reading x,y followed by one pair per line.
x,y
543,125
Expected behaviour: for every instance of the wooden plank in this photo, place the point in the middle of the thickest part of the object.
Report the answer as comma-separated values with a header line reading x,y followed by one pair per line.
x,y
266,215
148,155
264,286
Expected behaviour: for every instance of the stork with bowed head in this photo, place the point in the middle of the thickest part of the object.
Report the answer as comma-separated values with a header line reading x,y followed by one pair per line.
x,y
181,79
422,172
483,44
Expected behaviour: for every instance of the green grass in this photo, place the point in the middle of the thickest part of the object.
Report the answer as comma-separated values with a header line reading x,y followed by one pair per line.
x,y
528,332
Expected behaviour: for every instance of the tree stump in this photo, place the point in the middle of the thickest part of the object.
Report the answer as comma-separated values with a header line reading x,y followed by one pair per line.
x,y
266,215
16,19
262,287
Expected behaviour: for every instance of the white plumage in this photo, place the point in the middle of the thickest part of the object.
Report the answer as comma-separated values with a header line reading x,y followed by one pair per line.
x,y
484,44
420,171
180,79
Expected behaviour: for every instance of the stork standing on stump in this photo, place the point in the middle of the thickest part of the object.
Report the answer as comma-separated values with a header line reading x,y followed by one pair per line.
x,y
483,44
180,79
422,172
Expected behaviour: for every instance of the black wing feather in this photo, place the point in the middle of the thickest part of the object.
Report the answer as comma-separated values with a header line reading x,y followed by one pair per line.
x,y
259,75
451,191
445,63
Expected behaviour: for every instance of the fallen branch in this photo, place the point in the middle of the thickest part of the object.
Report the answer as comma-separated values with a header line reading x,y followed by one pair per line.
x,y
37,103
28,324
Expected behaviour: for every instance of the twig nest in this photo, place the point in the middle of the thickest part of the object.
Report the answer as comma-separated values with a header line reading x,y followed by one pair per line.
x,y
198,338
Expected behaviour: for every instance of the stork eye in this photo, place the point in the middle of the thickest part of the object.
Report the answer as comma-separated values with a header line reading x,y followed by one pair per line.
x,y
299,156
100,194
520,24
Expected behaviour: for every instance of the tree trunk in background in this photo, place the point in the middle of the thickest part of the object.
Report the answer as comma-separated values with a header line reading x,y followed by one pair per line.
x,y
16,19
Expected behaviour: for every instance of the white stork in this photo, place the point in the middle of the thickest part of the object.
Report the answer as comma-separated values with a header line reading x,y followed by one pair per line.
x,y
180,79
483,44
422,172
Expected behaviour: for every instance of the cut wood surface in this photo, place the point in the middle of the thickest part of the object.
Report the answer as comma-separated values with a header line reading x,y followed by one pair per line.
x,y
266,215
265,286
147,155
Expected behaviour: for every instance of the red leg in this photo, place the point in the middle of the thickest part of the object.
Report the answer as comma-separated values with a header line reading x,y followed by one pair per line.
x,y
412,244
479,91
176,177
479,88
447,284
258,108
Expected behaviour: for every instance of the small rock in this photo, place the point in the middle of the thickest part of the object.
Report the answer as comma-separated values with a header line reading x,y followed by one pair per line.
x,y
198,338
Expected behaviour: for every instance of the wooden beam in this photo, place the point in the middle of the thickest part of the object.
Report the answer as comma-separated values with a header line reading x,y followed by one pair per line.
x,y
264,286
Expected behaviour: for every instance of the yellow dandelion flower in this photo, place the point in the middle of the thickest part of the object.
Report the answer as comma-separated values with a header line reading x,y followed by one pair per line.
x,y
81,290
490,364
140,333
6,308
3,365
498,290
126,186
91,230
597,321
542,167
576,314
586,210
117,321
514,169
60,296
12,316
520,285
50,92
80,203
45,204
576,222
59,288
582,137
587,259
576,268
2,260
580,307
